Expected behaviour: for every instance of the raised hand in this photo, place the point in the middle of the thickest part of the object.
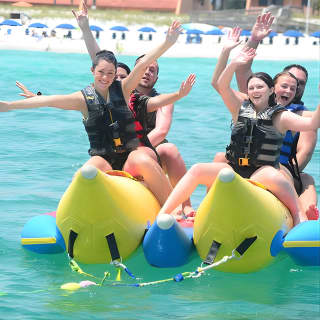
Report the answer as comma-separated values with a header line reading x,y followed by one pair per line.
x,y
173,32
26,93
244,56
187,85
233,39
262,26
82,15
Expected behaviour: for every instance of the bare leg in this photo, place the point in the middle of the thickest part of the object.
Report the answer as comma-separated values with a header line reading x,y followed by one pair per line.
x,y
220,157
99,163
308,197
175,167
201,173
142,163
283,189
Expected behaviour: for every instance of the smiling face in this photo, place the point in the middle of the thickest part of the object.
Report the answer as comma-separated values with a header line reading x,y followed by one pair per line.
x,y
285,89
259,93
104,74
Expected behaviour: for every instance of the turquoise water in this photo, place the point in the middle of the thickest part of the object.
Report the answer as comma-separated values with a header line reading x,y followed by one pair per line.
x,y
42,148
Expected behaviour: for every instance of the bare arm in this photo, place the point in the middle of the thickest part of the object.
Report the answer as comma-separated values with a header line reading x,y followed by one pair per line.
x,y
260,30
164,99
74,101
232,42
230,98
163,124
306,144
290,121
83,22
131,82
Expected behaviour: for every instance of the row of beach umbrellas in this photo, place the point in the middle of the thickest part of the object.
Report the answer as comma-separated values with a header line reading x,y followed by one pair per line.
x,y
189,28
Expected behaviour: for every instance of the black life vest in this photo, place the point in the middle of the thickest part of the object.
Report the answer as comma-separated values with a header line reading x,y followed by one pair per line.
x,y
254,140
110,126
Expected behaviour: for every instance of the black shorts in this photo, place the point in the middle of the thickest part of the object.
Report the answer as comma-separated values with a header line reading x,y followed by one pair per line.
x,y
117,160
244,171
296,178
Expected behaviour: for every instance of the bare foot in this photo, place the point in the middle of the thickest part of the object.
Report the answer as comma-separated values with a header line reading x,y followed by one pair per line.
x,y
188,211
312,212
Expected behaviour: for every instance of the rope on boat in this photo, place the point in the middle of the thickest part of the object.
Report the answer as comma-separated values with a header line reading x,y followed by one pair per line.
x,y
117,283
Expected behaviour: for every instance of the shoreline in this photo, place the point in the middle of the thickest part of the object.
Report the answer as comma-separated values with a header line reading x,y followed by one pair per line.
x,y
210,46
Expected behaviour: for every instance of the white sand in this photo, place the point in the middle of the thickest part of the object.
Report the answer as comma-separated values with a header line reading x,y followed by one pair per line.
x,y
209,47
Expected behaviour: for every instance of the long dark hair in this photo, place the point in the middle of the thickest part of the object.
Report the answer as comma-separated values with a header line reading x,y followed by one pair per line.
x,y
269,82
104,55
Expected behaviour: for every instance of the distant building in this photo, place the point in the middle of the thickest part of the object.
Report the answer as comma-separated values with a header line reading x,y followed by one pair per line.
x,y
176,6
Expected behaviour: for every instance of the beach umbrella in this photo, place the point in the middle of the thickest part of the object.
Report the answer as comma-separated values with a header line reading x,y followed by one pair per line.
x,y
226,30
293,33
119,28
37,25
146,29
315,34
22,4
11,23
198,26
272,34
245,33
194,31
215,32
95,28
65,26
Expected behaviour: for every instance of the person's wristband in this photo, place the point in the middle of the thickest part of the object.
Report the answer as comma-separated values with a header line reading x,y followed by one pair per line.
x,y
39,93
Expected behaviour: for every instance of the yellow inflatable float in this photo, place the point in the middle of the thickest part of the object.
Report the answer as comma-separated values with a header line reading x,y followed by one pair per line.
x,y
104,217
238,214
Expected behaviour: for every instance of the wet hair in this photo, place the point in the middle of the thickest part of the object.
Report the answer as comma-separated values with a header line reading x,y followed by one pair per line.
x,y
123,66
142,57
104,55
268,81
298,66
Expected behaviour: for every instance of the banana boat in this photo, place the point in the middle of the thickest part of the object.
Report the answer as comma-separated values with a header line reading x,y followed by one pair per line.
x,y
239,215
104,217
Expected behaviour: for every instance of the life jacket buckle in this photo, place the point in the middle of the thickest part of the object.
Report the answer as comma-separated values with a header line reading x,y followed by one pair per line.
x,y
243,162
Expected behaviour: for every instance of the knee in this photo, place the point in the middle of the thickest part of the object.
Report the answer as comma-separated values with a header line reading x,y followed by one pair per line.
x,y
137,160
220,157
196,170
168,150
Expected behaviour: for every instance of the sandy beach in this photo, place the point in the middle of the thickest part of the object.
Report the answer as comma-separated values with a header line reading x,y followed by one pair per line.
x,y
210,47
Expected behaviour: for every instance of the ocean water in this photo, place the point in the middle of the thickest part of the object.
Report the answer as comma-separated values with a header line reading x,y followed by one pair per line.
x,y
40,149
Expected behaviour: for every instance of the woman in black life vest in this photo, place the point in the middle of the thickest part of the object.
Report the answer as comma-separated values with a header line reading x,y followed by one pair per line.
x,y
111,145
275,120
